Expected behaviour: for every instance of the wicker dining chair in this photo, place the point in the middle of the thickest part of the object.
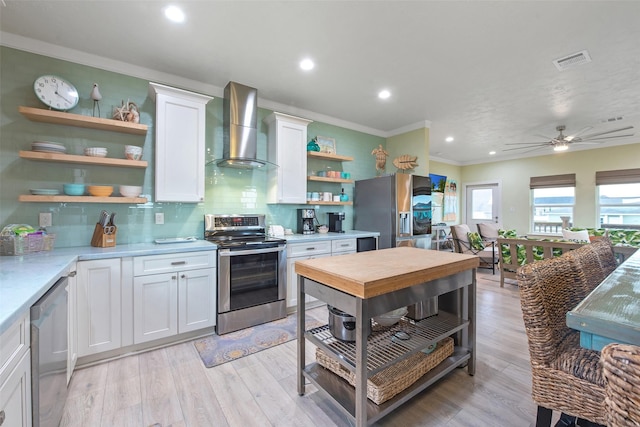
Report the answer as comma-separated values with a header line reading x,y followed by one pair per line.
x,y
621,369
565,376
596,260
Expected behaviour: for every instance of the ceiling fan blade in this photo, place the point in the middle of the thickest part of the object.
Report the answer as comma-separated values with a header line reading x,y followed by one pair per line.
x,y
577,134
546,138
590,136
604,137
528,143
535,147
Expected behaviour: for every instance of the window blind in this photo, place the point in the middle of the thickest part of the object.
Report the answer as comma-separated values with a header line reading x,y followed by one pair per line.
x,y
551,181
623,176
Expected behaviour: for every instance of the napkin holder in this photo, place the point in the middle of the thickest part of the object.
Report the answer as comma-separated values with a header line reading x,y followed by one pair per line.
x,y
102,239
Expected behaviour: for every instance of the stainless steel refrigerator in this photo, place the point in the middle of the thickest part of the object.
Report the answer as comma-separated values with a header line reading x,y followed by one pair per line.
x,y
397,206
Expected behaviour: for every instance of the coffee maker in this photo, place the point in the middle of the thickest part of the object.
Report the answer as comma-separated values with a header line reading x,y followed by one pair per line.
x,y
306,218
335,222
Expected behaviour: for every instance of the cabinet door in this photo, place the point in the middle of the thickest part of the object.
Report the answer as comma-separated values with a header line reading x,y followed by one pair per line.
x,y
292,280
155,307
180,143
15,395
196,299
287,147
72,324
99,307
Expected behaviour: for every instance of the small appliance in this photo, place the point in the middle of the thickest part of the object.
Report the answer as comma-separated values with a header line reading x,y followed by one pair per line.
x,y
306,219
335,222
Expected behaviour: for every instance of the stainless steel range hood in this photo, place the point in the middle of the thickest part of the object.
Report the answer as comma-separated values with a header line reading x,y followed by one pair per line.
x,y
240,127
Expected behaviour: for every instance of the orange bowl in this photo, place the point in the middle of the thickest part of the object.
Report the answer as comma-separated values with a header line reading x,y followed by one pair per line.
x,y
100,190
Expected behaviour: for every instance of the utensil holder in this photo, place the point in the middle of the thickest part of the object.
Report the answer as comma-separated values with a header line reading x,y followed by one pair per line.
x,y
101,239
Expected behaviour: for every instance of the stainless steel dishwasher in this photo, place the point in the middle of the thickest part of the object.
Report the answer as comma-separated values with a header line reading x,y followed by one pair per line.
x,y
49,355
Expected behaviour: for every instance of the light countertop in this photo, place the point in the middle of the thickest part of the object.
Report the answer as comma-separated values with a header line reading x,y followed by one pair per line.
x,y
316,237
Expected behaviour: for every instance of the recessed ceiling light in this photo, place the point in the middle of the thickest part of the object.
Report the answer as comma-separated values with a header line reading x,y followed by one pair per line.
x,y
174,14
449,139
491,153
384,94
307,64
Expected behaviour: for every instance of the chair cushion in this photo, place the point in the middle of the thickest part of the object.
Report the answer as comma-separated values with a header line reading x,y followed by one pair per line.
x,y
488,230
475,241
582,363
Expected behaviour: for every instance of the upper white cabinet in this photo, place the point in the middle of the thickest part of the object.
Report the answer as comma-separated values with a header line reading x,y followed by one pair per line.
x,y
180,144
287,147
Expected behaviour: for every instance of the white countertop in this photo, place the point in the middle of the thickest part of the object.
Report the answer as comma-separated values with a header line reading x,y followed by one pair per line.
x,y
349,234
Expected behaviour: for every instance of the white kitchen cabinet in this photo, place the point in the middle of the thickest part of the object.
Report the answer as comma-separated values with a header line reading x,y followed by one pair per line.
x,y
15,374
343,246
99,306
173,294
72,322
180,144
299,252
287,148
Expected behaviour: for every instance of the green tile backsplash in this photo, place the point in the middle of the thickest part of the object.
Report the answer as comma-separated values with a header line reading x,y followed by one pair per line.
x,y
227,190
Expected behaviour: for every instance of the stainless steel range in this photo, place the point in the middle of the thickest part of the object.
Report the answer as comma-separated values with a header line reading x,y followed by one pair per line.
x,y
251,271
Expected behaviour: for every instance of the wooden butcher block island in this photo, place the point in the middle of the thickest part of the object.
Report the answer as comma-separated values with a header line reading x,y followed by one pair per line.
x,y
368,284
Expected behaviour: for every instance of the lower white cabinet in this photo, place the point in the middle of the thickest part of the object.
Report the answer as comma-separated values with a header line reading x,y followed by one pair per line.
x,y
15,375
299,252
173,294
72,323
99,308
343,246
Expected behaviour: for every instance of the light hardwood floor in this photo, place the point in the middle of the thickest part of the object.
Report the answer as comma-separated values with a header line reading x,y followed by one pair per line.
x,y
171,386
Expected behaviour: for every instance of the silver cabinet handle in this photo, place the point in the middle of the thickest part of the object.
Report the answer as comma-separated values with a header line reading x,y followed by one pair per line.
x,y
344,245
179,263
184,276
311,249
174,277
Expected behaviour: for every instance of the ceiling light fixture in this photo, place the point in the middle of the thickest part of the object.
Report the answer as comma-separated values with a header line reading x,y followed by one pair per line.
x,y
384,94
307,64
561,146
491,153
449,139
174,14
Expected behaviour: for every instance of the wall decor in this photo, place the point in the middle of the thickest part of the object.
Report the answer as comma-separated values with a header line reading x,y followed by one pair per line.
x,y
405,162
381,158
127,112
326,144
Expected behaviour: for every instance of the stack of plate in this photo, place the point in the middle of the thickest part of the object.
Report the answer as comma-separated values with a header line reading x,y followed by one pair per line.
x,y
44,192
95,152
51,147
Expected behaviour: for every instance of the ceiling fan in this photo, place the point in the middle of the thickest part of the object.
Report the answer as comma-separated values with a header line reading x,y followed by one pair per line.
x,y
562,141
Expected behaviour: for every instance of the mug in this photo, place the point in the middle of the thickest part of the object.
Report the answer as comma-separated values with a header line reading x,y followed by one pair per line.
x,y
326,196
308,196
315,196
336,198
322,174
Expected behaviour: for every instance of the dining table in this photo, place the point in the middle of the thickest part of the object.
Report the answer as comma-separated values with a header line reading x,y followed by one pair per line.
x,y
611,312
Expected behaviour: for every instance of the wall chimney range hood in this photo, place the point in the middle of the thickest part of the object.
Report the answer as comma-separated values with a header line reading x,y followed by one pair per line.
x,y
240,128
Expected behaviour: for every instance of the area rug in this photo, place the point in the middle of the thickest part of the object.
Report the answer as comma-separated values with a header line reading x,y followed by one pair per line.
x,y
217,349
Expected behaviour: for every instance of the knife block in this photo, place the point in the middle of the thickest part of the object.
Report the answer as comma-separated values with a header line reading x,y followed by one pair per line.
x,y
101,239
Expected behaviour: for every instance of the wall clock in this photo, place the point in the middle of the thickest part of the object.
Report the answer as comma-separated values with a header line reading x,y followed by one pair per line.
x,y
56,92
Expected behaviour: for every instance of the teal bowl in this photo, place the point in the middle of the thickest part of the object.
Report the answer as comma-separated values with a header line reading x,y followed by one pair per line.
x,y
73,189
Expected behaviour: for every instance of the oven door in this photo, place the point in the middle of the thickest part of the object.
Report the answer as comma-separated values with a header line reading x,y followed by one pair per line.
x,y
250,277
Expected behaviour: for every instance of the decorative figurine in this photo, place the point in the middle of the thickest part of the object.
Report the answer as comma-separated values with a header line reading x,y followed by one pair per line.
x,y
381,158
405,162
96,96
127,112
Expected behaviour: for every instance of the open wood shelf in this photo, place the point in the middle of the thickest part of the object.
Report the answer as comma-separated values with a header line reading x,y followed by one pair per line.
x,y
325,179
86,160
327,156
80,199
62,118
321,202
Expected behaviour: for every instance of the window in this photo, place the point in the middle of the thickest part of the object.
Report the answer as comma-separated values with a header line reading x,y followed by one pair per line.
x,y
619,198
553,198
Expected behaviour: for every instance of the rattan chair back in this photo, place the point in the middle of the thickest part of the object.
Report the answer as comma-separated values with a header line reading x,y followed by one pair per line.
x,y
596,261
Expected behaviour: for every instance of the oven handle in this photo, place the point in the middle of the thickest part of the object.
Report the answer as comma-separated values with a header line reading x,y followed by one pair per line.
x,y
230,253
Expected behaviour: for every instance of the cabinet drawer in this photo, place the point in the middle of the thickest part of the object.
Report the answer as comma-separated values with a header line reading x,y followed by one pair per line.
x,y
343,245
312,248
154,264
15,342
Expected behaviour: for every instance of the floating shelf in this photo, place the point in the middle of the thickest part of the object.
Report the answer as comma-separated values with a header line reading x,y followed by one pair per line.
x,y
86,160
62,118
327,156
80,199
325,179
320,202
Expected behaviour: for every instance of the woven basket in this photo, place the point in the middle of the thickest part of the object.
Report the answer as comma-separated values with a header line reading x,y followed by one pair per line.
x,y
397,377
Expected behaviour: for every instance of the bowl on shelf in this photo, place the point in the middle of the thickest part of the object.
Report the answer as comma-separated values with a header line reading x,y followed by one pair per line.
x,y
95,151
391,318
130,190
132,152
73,189
100,190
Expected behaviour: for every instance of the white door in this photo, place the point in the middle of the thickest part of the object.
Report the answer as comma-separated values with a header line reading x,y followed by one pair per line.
x,y
155,307
483,204
196,299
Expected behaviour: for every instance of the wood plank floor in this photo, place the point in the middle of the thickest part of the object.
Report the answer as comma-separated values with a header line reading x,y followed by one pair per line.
x,y
171,386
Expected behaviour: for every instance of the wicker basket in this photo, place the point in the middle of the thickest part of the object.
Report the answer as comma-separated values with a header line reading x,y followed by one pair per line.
x,y
392,380
28,244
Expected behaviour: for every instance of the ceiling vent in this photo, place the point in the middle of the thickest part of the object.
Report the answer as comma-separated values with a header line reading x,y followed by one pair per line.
x,y
572,60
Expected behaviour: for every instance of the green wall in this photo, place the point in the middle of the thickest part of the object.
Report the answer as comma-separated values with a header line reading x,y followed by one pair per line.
x,y
514,178
226,190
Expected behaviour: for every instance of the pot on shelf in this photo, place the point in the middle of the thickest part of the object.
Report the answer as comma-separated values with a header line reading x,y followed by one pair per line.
x,y
343,325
